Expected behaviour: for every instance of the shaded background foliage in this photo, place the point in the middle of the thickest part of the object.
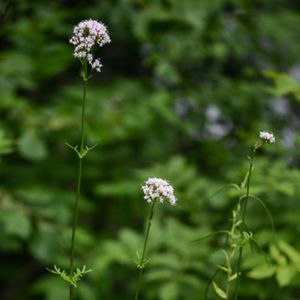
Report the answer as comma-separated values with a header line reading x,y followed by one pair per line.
x,y
185,88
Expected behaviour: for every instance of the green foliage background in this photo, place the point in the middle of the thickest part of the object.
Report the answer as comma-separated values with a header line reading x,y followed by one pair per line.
x,y
185,88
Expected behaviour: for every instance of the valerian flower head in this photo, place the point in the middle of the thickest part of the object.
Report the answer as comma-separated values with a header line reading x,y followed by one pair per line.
x,y
267,137
86,35
157,189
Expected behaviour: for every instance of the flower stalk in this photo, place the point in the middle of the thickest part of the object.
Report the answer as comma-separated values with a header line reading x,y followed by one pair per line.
x,y
79,179
266,138
155,190
86,36
244,209
142,263
238,236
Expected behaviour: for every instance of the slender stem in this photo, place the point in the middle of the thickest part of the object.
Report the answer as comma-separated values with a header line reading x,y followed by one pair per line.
x,y
243,223
247,189
5,10
79,176
238,273
228,277
210,282
141,264
82,135
139,284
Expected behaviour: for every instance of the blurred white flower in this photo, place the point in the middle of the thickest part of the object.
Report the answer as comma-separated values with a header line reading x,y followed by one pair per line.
x,y
267,137
157,189
86,35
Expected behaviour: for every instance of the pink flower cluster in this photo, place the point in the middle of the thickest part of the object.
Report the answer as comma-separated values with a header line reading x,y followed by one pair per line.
x,y
267,137
86,35
157,189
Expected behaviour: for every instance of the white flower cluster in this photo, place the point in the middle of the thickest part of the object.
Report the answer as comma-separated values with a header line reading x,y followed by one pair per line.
x,y
157,189
267,137
86,35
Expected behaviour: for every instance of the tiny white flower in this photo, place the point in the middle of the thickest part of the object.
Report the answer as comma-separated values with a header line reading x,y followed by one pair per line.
x,y
267,137
86,35
157,189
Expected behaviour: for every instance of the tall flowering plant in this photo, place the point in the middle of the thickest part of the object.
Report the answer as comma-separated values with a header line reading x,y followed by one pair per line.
x,y
87,35
155,190
239,235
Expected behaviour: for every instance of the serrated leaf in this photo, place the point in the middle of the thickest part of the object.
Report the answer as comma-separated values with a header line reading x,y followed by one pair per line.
x,y
16,222
5,144
284,274
158,275
31,146
277,255
169,291
291,252
262,271
284,84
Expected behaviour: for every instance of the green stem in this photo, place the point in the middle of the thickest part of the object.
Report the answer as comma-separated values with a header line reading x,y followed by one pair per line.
x,y
141,264
238,273
228,278
79,176
243,223
139,284
210,282
83,116
247,190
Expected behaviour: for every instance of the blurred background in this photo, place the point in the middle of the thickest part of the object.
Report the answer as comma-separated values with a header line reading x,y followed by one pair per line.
x,y
186,87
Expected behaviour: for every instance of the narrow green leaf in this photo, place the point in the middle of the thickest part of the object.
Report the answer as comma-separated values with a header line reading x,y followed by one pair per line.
x,y
227,260
223,268
233,277
219,291
268,213
244,182
221,189
210,283
210,235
